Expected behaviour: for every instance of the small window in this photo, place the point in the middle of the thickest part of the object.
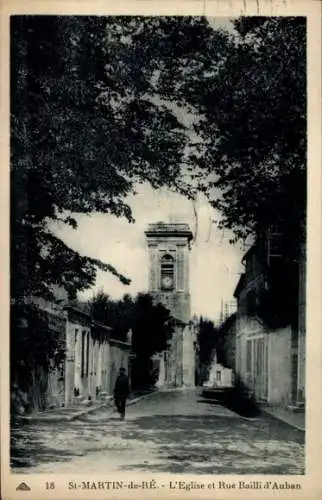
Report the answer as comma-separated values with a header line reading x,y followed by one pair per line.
x,y
218,375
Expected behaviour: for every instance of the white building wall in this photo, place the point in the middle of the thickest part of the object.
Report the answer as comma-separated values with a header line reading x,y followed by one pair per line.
x,y
69,363
263,360
160,360
189,357
81,380
280,367
78,353
106,365
103,366
91,368
56,388
219,376
251,354
99,365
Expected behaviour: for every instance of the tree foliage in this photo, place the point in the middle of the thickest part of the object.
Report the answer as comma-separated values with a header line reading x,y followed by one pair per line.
x,y
248,93
210,340
117,314
152,330
83,133
151,327
150,324
207,340
94,111
252,108
89,120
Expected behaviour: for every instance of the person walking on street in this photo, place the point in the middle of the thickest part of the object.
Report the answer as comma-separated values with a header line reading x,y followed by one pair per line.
x,y
121,392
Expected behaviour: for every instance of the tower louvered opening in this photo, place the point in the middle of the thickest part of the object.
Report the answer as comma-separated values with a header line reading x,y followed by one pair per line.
x,y
167,271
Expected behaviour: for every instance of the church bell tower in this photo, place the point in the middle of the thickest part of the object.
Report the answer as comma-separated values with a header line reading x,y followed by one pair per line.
x,y
169,284
169,245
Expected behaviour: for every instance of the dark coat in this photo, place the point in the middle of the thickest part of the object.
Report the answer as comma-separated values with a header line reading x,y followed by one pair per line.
x,y
122,387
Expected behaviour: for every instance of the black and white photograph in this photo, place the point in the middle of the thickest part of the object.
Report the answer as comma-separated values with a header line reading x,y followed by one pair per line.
x,y
158,246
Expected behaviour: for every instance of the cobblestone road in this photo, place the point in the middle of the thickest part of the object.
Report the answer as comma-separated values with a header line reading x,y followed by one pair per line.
x,y
171,432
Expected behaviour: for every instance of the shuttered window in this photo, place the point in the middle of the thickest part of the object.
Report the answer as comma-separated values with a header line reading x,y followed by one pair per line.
x,y
167,268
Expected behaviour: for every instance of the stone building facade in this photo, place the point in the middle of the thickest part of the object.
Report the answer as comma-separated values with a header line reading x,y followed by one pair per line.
x,y
270,326
169,284
92,357
49,384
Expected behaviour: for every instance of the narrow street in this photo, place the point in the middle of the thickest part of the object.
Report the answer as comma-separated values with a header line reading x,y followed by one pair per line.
x,y
170,432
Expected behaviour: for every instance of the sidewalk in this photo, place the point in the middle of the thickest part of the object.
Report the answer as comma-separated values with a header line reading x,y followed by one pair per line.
x,y
74,412
295,419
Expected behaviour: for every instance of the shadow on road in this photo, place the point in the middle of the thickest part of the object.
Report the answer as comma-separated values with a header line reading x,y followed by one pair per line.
x,y
209,401
199,439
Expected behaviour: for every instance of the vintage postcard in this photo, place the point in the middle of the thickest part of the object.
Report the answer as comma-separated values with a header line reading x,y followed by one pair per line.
x,y
161,251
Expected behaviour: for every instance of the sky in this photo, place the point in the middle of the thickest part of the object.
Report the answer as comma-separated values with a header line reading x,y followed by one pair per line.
x,y
215,264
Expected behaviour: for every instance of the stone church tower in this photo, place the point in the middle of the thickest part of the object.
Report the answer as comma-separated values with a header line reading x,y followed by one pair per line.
x,y
168,246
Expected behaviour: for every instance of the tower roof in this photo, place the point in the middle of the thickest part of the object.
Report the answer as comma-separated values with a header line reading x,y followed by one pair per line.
x,y
169,229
